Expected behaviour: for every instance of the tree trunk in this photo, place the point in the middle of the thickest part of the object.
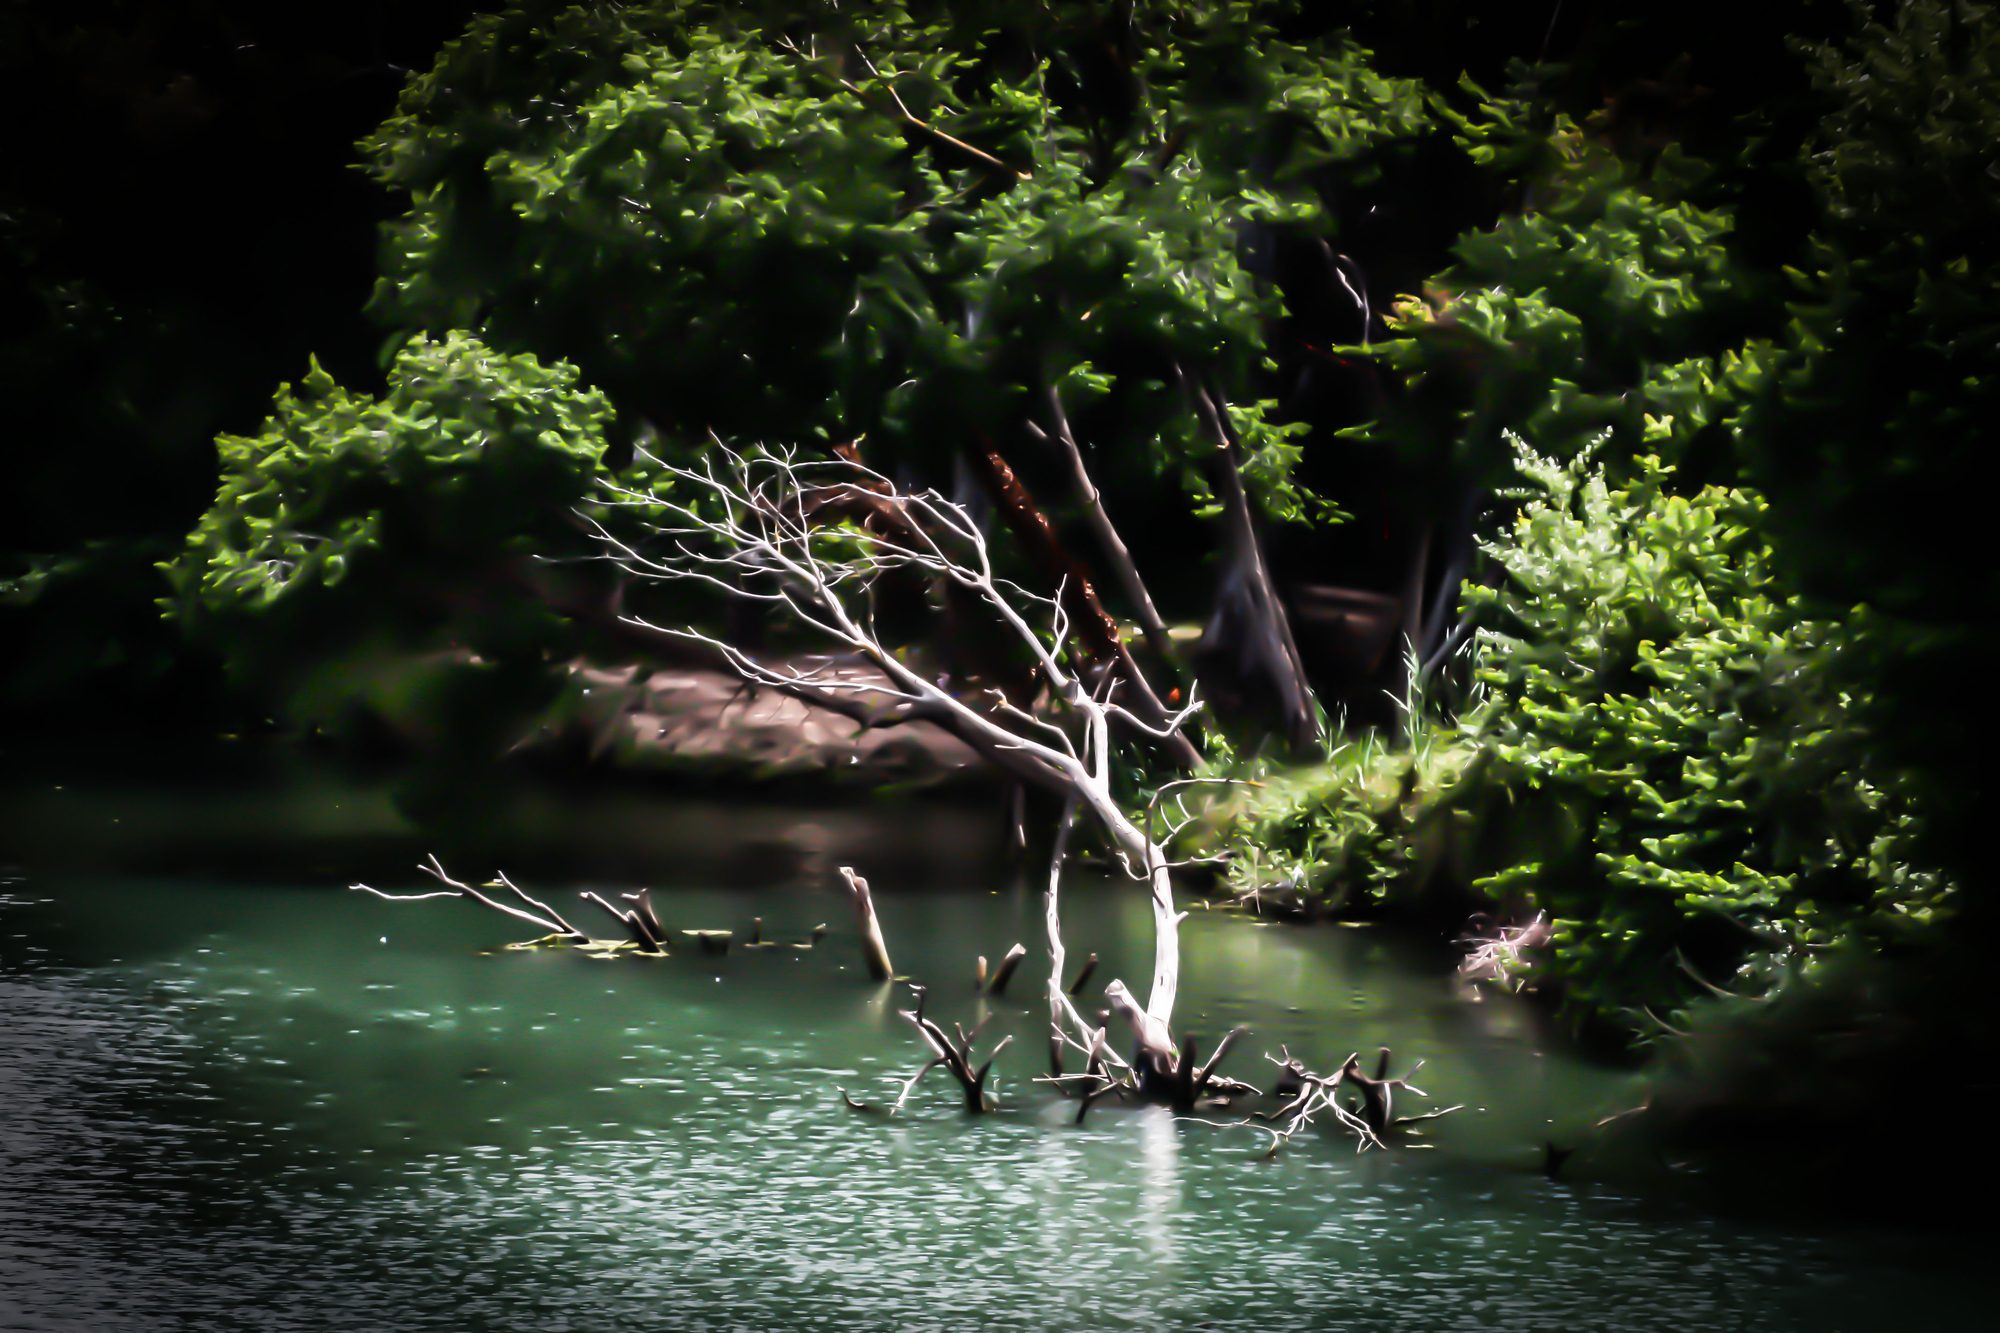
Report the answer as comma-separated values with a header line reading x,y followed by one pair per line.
x,y
1092,623
1113,546
1274,645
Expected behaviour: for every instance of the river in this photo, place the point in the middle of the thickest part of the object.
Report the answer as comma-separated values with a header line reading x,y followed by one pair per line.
x,y
261,1102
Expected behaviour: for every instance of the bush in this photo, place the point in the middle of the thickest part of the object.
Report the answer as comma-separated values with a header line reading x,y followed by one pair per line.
x,y
1669,760
359,549
1650,678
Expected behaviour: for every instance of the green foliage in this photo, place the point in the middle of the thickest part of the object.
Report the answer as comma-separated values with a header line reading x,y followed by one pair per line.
x,y
359,530
1873,439
1668,758
904,222
1650,679
1373,823
1610,302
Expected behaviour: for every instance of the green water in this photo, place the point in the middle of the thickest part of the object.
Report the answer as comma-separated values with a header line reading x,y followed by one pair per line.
x,y
265,1105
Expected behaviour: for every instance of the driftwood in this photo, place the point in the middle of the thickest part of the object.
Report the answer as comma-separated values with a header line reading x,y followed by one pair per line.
x,y
640,923
1194,1082
543,915
1158,1069
1004,973
1083,975
955,1056
1161,1068
1377,1109
952,1050
874,951
875,506
1371,1119
641,926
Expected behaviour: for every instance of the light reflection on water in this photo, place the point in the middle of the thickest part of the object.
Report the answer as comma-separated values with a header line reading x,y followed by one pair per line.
x,y
279,1109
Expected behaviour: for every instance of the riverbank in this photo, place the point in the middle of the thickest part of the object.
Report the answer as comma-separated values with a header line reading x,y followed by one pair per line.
x,y
694,721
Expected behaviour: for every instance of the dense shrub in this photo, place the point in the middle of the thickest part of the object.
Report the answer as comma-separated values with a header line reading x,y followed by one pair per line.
x,y
355,538
1668,759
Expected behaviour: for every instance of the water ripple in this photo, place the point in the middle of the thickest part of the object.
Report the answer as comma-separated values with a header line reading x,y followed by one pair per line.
x,y
424,1139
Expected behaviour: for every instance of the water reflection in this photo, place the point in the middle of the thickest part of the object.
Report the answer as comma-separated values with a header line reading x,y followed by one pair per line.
x,y
1159,1183
304,1111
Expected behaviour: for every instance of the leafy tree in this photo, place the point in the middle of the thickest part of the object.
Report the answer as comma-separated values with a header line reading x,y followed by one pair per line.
x,y
767,229
958,233
393,554
1611,301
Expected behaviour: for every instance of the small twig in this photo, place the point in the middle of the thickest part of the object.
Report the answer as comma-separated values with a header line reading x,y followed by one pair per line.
x,y
535,903
1428,1115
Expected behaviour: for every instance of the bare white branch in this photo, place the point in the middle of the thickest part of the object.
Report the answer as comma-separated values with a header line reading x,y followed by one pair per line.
x,y
769,524
549,921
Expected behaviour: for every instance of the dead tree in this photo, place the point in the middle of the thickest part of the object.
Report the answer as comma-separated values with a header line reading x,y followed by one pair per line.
x,y
1270,640
1096,631
1109,542
743,522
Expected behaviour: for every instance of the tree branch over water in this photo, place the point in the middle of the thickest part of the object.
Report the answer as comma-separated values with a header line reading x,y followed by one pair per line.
x,y
548,919
752,522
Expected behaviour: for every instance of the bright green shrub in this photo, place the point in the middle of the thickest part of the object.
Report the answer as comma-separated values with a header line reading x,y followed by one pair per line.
x,y
355,535
1370,823
1650,677
1667,757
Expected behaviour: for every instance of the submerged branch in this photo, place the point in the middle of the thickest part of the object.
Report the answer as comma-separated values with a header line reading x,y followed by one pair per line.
x,y
549,920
